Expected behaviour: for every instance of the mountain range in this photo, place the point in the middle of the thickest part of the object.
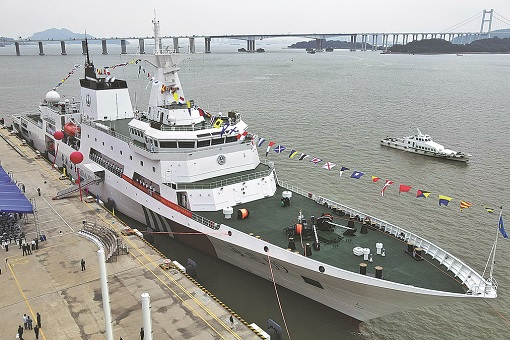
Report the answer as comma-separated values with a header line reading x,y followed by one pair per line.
x,y
59,34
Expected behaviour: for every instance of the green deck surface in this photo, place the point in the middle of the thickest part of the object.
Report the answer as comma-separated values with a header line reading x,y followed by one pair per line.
x,y
268,219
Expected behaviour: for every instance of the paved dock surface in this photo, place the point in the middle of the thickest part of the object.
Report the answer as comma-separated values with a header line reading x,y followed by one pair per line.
x,y
50,280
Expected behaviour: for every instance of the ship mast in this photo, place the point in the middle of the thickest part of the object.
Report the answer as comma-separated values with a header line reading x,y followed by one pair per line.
x,y
157,47
90,72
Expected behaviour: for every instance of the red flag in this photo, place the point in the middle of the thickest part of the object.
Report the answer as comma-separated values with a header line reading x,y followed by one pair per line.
x,y
404,188
242,134
375,178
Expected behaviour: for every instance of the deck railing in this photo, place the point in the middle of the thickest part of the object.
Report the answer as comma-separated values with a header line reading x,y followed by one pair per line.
x,y
476,284
205,221
224,182
37,122
108,131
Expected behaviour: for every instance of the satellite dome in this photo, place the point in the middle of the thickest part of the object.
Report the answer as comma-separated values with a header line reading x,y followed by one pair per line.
x,y
52,97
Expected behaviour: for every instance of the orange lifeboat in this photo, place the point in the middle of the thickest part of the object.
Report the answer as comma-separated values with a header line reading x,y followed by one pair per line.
x,y
71,129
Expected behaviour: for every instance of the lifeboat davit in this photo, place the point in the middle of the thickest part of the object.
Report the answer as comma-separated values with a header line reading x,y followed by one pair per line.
x,y
71,129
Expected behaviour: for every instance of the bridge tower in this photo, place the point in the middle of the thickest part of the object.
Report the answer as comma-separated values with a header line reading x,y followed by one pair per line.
x,y
490,13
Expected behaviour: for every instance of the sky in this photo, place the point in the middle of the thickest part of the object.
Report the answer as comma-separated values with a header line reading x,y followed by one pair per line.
x,y
128,18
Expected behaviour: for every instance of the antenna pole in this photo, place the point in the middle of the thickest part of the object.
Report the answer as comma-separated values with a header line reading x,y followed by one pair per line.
x,y
87,48
495,245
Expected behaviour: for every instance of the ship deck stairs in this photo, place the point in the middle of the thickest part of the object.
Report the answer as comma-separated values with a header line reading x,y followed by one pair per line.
x,y
76,187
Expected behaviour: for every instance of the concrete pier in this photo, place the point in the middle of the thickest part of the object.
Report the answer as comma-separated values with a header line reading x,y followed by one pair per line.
x,y
141,45
176,44
104,47
50,280
250,45
191,45
319,44
41,49
353,42
207,45
63,47
123,46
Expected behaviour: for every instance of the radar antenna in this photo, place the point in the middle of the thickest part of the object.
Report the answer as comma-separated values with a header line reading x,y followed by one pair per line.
x,y
157,47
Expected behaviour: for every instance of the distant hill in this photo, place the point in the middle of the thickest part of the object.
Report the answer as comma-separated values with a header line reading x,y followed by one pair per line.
x,y
493,45
56,35
59,34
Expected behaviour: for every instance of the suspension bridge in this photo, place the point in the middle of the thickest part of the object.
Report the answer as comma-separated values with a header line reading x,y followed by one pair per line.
x,y
490,24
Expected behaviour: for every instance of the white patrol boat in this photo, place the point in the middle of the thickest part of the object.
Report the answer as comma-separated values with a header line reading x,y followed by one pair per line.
x,y
201,180
423,144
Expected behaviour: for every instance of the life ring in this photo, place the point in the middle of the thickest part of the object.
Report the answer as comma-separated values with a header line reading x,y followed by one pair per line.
x,y
242,213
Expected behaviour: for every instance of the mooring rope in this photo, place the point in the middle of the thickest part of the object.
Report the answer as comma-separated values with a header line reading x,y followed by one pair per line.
x,y
277,296
494,309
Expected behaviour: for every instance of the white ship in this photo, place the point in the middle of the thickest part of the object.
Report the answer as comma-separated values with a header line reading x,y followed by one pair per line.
x,y
202,181
423,144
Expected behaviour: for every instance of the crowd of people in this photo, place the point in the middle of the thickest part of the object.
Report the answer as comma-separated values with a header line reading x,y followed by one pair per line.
x,y
10,230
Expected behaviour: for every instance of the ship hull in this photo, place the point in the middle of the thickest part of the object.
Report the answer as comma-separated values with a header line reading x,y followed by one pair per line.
x,y
361,297
391,144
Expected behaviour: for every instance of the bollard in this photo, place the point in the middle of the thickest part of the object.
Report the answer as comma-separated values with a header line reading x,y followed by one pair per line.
x,y
363,268
39,191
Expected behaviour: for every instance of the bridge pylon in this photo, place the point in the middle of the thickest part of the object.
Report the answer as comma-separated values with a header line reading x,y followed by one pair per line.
x,y
489,21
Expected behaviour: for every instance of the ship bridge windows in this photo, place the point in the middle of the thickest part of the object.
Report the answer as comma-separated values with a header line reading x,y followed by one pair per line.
x,y
167,144
217,141
186,144
204,140
203,143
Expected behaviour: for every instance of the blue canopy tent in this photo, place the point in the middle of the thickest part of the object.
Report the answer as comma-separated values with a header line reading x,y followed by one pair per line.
x,y
12,199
